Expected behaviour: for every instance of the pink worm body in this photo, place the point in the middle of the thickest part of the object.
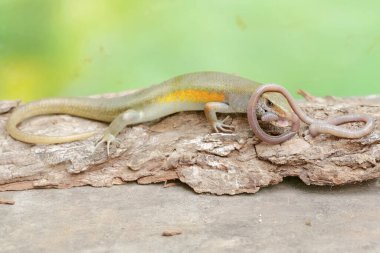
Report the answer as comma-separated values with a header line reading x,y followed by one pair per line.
x,y
329,126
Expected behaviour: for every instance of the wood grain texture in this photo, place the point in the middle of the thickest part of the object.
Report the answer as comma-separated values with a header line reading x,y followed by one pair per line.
x,y
182,146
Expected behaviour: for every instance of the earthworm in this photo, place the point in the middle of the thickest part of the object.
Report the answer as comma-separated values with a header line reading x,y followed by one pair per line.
x,y
268,116
329,126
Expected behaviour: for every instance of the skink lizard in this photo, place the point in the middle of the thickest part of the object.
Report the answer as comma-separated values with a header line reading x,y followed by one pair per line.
x,y
213,92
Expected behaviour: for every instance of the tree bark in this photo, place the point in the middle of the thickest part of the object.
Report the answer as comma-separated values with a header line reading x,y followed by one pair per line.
x,y
182,146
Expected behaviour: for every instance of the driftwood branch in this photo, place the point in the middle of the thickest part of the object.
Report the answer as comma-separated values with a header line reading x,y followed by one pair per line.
x,y
183,147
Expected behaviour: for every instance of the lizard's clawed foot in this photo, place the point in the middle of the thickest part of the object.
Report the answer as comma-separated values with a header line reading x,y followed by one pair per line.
x,y
107,138
220,126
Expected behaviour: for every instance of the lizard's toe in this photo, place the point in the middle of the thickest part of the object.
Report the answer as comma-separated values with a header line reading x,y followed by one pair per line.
x,y
108,139
220,126
226,128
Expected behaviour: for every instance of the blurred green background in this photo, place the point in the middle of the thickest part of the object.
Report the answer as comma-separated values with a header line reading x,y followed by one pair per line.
x,y
82,47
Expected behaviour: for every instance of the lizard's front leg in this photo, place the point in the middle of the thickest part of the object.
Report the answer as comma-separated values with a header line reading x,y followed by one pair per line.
x,y
211,109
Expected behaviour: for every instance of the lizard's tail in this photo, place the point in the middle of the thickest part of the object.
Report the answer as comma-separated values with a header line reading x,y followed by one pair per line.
x,y
44,107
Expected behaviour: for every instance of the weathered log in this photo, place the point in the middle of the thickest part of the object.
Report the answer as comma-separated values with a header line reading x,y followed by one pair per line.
x,y
182,146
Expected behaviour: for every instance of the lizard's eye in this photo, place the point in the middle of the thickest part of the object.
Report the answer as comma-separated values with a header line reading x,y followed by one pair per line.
x,y
269,103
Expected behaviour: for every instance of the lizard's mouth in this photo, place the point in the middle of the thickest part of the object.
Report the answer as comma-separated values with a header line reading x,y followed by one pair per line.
x,y
281,123
277,120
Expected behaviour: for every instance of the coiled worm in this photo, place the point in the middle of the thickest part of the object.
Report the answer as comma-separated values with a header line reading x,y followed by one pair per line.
x,y
329,126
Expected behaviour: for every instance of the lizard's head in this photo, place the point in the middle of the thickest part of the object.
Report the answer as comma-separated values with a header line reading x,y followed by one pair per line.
x,y
275,103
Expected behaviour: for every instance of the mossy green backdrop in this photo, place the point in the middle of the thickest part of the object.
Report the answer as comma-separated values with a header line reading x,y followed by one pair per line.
x,y
82,47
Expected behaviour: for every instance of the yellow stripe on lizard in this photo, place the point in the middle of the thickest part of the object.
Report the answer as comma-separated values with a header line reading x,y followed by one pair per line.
x,y
201,96
213,92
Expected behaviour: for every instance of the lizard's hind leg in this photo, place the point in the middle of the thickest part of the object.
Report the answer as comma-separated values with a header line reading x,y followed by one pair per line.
x,y
140,114
128,117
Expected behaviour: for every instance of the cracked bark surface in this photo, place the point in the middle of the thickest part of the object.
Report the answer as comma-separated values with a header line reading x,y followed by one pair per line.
x,y
182,146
